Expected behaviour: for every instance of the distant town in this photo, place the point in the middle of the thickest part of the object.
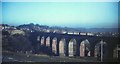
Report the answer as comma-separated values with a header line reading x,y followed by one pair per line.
x,y
21,29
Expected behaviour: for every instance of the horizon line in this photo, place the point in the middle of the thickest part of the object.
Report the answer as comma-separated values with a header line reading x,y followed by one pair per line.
x,y
62,26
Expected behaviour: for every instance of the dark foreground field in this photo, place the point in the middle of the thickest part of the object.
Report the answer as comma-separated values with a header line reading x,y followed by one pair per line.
x,y
21,57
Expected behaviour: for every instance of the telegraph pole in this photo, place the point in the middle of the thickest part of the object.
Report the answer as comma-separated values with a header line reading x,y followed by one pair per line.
x,y
117,51
101,51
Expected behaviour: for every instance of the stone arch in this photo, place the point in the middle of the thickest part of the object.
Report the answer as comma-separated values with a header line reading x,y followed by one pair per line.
x,y
116,51
62,46
42,40
48,41
72,48
98,47
85,48
54,45
38,38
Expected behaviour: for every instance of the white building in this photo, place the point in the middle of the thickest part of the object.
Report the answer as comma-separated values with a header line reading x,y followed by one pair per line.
x,y
17,32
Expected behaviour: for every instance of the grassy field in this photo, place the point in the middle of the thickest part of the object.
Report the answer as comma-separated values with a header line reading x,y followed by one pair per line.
x,y
21,57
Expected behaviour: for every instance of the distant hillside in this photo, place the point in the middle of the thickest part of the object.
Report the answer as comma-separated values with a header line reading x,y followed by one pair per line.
x,y
33,26
102,30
